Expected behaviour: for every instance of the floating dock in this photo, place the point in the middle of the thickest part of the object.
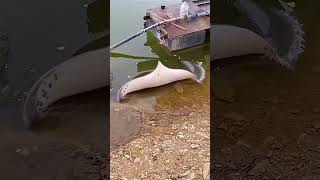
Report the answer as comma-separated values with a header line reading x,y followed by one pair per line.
x,y
183,33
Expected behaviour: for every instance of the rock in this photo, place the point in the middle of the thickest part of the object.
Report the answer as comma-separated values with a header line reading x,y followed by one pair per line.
x,y
23,151
185,174
194,146
60,48
203,135
125,122
150,122
183,151
260,167
178,88
180,135
206,170
243,143
136,160
192,175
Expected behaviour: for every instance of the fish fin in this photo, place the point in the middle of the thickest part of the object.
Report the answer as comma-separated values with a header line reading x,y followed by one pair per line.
x,y
297,44
255,14
120,96
197,70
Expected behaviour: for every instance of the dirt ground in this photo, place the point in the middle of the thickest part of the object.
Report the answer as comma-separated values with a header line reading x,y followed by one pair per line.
x,y
265,128
169,145
28,156
69,144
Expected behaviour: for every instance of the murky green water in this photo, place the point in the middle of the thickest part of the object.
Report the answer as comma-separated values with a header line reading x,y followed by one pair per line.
x,y
143,53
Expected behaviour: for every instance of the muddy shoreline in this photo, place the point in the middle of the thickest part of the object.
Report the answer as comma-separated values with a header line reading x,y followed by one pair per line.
x,y
70,143
179,139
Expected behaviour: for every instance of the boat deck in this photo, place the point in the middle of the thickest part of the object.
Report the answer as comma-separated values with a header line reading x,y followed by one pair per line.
x,y
181,27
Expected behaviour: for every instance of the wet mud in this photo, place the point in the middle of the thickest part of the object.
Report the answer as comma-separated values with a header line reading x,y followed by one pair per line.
x,y
266,118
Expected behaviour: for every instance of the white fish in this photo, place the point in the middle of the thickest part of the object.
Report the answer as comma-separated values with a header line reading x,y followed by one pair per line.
x,y
81,73
160,76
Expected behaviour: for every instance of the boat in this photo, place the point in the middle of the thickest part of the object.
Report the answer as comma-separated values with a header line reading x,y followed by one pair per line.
x,y
183,33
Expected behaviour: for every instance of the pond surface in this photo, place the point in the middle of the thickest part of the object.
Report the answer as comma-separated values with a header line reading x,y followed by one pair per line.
x,y
142,54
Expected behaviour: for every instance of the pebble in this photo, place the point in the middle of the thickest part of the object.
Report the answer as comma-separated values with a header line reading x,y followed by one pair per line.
x,y
185,174
202,134
179,89
23,151
194,146
180,135
192,175
182,151
137,160
60,48
150,122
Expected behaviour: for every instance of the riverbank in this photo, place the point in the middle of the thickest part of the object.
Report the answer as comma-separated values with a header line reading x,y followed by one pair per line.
x,y
169,145
70,143
26,155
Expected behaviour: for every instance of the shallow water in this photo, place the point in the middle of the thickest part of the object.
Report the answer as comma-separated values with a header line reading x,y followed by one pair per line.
x,y
141,54
42,35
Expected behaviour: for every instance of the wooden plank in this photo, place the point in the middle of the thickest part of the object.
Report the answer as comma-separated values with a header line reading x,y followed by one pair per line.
x,y
174,24
191,25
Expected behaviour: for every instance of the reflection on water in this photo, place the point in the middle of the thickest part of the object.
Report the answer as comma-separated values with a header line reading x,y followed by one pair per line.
x,y
49,33
141,55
